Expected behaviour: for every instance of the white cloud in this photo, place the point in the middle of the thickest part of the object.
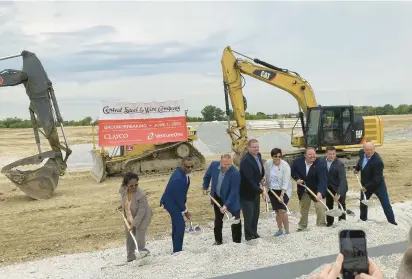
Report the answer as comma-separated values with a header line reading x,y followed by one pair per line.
x,y
357,52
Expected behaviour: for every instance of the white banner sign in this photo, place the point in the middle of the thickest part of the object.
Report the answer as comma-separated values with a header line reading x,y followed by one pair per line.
x,y
112,110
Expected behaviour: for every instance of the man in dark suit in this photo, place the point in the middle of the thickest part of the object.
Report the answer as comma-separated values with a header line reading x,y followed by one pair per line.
x,y
251,174
371,167
174,201
336,183
311,171
225,190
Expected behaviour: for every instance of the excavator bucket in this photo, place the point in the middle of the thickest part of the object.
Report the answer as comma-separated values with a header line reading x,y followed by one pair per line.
x,y
38,184
98,171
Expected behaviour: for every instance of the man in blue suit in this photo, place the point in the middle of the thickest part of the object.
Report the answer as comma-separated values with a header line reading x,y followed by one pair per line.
x,y
174,201
312,172
371,167
225,190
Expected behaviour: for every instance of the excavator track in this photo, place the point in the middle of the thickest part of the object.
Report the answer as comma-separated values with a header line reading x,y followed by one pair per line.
x,y
38,184
161,161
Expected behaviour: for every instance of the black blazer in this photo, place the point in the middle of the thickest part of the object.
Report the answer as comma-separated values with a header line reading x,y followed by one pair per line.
x,y
315,180
372,175
336,177
250,176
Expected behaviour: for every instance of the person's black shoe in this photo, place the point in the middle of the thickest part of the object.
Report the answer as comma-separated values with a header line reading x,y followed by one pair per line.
x,y
217,243
329,225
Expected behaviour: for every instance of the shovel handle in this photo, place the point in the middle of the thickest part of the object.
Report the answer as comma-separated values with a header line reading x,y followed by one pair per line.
x,y
128,227
273,192
360,185
266,200
313,194
218,205
333,196
125,220
357,178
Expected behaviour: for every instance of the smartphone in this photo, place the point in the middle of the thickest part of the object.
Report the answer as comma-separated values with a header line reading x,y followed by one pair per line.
x,y
354,250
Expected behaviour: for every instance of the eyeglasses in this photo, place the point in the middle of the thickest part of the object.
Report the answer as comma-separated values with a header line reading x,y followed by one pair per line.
x,y
133,185
189,167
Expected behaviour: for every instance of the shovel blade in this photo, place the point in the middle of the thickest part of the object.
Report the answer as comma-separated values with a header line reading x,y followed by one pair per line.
x,y
193,229
366,202
232,221
334,213
98,171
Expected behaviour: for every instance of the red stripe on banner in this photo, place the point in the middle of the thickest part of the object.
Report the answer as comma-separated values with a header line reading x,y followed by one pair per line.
x,y
142,131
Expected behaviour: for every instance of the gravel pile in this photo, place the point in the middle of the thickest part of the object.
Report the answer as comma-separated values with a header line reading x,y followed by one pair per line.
x,y
199,254
270,140
402,134
214,135
387,264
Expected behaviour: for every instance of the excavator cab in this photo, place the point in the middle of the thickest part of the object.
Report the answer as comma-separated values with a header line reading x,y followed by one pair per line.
x,y
333,126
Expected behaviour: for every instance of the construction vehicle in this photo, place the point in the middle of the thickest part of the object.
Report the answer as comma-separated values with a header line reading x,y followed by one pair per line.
x,y
322,126
144,159
44,113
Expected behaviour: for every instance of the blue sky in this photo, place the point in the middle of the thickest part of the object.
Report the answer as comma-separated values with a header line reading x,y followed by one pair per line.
x,y
357,53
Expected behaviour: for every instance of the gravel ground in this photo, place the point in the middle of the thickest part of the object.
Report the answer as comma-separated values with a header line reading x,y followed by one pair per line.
x,y
402,134
387,264
199,254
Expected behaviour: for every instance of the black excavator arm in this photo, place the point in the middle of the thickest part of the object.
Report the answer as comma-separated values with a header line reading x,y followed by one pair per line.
x,y
44,114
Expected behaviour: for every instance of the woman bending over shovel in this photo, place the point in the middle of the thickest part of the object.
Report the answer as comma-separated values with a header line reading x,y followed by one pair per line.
x,y
138,214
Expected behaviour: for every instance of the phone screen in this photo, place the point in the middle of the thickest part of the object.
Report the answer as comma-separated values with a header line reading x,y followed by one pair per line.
x,y
354,250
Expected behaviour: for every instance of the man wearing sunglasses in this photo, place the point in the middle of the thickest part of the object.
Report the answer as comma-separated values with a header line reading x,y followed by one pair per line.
x,y
174,201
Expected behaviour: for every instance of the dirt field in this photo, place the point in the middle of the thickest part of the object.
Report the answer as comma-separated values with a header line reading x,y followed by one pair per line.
x,y
82,215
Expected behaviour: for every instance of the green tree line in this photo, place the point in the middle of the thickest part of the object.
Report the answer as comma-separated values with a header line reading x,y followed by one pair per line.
x,y
212,113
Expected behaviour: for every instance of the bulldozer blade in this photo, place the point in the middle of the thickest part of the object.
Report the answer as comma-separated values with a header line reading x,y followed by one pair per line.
x,y
98,171
38,184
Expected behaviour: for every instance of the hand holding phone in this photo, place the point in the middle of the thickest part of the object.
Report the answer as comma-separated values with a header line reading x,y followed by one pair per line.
x,y
355,255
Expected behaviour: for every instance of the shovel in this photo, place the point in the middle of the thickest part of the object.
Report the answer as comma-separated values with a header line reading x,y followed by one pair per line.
x,y
231,221
364,201
136,251
328,212
337,211
192,229
350,213
268,213
288,212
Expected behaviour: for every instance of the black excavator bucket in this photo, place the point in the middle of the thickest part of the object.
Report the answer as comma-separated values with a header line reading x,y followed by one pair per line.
x,y
39,183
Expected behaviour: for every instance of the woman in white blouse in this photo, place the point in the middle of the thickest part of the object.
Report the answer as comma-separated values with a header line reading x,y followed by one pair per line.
x,y
277,172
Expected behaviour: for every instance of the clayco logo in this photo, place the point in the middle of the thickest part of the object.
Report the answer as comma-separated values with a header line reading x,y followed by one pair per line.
x,y
116,136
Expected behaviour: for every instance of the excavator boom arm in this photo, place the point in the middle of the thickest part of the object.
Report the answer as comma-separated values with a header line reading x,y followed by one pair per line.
x,y
44,113
233,68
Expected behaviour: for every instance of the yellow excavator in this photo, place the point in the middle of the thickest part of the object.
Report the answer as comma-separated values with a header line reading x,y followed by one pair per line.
x,y
144,159
322,126
44,112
